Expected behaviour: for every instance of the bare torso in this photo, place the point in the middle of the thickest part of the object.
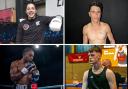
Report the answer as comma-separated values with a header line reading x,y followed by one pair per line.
x,y
16,68
95,34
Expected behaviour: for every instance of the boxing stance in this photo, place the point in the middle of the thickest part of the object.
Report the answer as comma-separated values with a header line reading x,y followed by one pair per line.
x,y
98,77
96,32
24,72
30,30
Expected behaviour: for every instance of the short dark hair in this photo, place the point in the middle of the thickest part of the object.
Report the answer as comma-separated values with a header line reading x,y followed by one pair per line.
x,y
96,3
27,50
95,49
30,3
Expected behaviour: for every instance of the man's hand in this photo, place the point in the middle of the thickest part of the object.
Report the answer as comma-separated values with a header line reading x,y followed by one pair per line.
x,y
29,68
35,76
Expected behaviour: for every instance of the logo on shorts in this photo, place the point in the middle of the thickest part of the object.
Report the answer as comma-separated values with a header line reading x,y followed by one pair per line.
x,y
25,26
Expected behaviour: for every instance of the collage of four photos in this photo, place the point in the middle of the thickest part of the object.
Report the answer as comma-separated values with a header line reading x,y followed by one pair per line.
x,y
63,44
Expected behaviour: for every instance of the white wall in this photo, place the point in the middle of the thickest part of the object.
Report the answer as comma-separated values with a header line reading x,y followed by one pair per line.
x,y
41,10
7,4
52,9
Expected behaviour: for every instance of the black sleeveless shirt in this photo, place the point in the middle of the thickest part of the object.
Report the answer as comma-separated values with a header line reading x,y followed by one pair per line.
x,y
98,81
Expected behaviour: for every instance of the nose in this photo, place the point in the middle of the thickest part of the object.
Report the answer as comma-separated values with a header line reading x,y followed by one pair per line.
x,y
30,10
31,57
96,13
90,57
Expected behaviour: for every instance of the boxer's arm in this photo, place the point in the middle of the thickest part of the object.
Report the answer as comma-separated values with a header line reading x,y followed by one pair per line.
x,y
85,38
85,77
14,73
109,34
111,79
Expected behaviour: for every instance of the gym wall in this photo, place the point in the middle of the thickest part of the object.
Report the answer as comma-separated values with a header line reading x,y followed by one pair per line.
x,y
7,4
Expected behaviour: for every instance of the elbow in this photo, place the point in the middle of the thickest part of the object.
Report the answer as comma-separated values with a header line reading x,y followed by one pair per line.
x,y
13,78
112,41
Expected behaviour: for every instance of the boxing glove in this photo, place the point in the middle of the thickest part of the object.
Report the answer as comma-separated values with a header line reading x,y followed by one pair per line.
x,y
27,68
35,76
56,23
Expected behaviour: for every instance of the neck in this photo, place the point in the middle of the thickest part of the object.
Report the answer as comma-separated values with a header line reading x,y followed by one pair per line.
x,y
30,18
95,23
97,66
23,60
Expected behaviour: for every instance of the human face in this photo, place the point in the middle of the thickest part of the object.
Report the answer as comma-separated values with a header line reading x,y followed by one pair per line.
x,y
94,57
29,56
31,10
95,13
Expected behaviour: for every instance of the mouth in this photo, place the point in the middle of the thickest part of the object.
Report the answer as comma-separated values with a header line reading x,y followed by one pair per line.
x,y
31,14
91,60
96,18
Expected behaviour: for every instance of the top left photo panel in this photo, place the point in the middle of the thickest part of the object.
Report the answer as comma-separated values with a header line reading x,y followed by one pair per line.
x,y
31,21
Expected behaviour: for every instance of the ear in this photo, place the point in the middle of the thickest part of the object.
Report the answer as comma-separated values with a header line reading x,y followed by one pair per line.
x,y
89,14
99,56
25,12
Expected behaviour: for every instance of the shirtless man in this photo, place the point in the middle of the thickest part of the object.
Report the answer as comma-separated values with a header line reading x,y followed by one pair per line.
x,y
24,72
96,32
98,77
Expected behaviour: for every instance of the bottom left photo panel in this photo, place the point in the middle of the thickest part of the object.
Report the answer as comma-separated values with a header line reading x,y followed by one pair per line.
x,y
31,67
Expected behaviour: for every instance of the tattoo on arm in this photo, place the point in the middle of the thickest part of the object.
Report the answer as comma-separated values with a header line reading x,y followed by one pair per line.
x,y
111,79
14,73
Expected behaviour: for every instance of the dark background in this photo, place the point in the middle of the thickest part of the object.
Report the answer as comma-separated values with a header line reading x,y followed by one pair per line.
x,y
48,59
115,13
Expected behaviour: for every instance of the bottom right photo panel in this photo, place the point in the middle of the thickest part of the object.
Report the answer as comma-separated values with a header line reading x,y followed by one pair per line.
x,y
96,66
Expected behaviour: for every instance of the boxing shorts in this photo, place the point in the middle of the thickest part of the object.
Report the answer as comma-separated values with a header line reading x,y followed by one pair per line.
x,y
19,86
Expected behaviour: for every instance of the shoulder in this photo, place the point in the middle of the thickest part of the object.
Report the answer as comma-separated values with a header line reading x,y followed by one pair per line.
x,y
109,73
86,74
43,17
86,27
38,17
22,22
105,25
16,62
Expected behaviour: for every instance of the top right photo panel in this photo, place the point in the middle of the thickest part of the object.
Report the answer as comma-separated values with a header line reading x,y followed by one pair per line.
x,y
96,21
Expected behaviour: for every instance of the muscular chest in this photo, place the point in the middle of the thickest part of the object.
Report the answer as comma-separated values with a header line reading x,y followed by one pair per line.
x,y
20,66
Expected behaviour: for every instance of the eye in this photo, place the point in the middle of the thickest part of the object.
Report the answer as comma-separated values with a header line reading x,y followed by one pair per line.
x,y
28,8
98,11
30,55
33,8
92,55
92,11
